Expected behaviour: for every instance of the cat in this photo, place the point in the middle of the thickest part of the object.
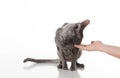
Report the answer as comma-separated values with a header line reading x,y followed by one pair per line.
x,y
66,36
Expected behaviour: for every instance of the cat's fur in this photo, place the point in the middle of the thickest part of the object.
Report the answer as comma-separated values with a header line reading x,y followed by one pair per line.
x,y
66,36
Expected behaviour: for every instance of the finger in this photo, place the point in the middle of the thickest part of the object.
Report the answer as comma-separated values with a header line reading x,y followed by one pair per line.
x,y
76,46
83,47
80,45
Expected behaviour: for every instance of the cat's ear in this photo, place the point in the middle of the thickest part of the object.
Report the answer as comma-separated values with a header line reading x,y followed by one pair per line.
x,y
84,23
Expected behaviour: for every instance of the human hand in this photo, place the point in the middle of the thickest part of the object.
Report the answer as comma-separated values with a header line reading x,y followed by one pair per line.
x,y
94,46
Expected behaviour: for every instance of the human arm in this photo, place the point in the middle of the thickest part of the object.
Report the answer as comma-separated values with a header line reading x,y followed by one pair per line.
x,y
99,46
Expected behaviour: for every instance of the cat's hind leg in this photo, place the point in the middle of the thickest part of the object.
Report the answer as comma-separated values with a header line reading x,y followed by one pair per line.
x,y
73,66
80,65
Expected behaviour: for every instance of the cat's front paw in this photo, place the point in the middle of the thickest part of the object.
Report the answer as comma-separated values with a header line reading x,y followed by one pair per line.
x,y
72,68
65,68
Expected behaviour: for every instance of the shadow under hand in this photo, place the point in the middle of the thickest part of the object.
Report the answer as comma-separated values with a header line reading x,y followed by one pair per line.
x,y
38,65
68,74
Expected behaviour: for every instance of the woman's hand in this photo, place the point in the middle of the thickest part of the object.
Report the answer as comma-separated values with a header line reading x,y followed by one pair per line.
x,y
94,46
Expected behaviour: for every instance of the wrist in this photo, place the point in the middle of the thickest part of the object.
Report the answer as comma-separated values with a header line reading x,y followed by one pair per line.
x,y
102,47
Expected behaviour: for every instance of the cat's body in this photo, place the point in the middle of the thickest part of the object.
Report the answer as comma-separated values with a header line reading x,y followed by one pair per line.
x,y
66,36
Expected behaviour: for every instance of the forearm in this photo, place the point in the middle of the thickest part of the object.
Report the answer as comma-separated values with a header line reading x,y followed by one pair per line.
x,y
111,50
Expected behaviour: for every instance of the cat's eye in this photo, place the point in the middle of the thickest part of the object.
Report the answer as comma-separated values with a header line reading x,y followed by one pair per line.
x,y
76,27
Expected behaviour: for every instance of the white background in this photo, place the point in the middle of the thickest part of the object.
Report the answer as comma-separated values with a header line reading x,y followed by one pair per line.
x,y
27,29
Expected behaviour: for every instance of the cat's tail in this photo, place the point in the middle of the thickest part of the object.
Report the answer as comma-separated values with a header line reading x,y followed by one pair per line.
x,y
41,60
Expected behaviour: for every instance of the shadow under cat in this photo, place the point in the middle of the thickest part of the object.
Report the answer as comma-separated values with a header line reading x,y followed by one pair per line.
x,y
62,73
45,64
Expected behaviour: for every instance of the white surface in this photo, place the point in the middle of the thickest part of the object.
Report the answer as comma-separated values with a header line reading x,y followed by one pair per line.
x,y
27,29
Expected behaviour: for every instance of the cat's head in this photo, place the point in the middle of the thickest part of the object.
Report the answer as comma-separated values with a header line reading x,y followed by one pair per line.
x,y
72,33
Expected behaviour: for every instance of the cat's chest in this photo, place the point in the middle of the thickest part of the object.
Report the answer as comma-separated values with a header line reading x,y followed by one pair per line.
x,y
70,53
